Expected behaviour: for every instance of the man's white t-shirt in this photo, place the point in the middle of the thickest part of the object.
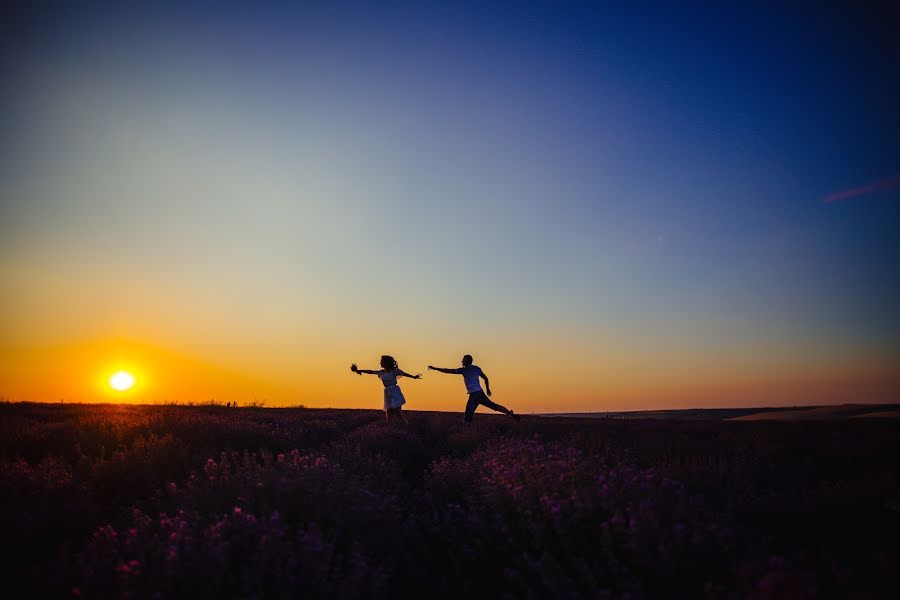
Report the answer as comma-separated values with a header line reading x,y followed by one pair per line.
x,y
470,376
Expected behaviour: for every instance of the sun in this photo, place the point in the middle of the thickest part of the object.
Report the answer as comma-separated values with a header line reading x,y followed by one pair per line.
x,y
121,381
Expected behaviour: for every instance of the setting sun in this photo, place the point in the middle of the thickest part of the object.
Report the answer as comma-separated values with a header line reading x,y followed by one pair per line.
x,y
121,381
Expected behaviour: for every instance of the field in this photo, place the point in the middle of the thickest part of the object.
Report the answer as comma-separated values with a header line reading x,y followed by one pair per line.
x,y
784,413
209,502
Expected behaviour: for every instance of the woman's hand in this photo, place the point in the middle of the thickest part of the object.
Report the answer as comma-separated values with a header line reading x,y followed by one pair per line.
x,y
430,368
354,369
417,376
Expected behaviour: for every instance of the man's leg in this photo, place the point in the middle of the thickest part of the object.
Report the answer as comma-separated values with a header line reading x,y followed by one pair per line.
x,y
481,398
471,405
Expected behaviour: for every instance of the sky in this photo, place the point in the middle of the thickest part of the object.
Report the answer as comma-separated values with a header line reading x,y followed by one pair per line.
x,y
647,207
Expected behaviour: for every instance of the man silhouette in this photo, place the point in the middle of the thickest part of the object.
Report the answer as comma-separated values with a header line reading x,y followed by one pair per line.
x,y
470,374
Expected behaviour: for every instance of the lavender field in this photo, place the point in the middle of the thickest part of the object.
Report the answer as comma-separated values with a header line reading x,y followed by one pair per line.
x,y
209,502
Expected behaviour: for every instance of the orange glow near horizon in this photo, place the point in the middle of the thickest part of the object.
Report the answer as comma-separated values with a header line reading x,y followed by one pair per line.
x,y
617,381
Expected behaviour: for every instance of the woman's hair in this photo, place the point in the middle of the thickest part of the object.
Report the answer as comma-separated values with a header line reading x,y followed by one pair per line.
x,y
388,363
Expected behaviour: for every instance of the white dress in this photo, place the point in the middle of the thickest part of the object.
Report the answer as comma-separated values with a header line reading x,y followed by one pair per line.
x,y
393,396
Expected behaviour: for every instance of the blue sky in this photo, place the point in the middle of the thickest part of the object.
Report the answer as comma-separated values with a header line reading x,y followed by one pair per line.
x,y
622,185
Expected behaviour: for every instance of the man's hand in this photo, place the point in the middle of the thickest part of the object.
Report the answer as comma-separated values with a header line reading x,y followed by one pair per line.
x,y
417,376
489,391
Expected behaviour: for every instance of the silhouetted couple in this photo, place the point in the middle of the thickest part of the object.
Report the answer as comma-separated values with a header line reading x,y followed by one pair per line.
x,y
393,396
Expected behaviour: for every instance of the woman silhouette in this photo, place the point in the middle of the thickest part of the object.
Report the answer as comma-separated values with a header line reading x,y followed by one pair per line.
x,y
393,395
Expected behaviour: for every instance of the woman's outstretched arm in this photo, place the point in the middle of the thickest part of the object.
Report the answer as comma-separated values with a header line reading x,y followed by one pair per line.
x,y
451,371
405,374
358,371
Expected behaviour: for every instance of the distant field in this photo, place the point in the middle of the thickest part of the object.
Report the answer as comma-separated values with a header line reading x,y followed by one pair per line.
x,y
890,414
843,411
207,502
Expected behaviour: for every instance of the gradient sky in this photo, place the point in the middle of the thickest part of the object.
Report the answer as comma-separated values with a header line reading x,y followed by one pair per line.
x,y
637,208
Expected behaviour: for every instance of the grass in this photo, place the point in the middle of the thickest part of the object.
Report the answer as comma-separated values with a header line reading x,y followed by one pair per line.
x,y
210,502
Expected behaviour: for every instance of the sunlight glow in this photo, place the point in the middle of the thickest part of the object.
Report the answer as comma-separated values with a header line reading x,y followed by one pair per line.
x,y
121,381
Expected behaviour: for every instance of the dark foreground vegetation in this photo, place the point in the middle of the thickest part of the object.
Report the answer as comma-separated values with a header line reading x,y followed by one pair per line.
x,y
207,502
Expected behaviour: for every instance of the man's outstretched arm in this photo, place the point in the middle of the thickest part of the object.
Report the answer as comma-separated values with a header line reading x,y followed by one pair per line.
x,y
450,371
487,384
